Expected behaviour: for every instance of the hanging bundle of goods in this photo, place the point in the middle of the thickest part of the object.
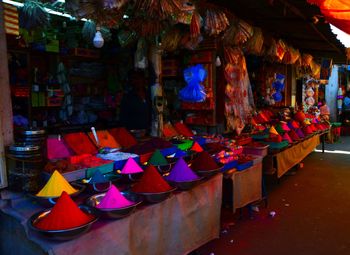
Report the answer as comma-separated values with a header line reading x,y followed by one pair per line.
x,y
194,91
306,60
315,69
195,26
237,107
145,27
108,13
238,33
254,45
33,15
291,55
171,40
278,86
277,50
158,9
216,21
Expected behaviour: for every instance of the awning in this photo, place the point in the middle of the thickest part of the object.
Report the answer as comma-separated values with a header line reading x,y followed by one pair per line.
x,y
336,12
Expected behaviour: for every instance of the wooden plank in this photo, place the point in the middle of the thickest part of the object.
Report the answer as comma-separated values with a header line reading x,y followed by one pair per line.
x,y
5,95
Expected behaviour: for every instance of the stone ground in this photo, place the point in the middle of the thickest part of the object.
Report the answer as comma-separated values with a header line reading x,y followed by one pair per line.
x,y
312,206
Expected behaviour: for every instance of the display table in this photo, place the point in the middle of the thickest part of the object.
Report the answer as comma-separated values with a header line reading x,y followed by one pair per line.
x,y
246,186
178,225
282,161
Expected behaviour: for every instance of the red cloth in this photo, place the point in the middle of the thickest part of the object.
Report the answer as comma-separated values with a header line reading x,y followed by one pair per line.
x,y
336,12
80,143
123,137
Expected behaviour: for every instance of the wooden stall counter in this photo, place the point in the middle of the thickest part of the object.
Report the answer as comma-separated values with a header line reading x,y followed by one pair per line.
x,y
178,225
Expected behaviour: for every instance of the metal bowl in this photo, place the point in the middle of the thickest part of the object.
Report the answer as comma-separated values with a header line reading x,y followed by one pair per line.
x,y
131,177
51,201
115,213
207,173
62,234
186,185
156,197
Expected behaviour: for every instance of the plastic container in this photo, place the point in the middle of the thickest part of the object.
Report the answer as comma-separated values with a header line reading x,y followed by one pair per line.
x,y
261,151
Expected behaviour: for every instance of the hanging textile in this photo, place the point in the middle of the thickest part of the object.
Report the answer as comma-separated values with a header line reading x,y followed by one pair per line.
x,y
237,103
336,12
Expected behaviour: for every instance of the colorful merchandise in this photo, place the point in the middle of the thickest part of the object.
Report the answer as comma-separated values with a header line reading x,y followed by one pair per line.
x,y
80,143
182,129
55,186
98,177
194,91
64,215
105,139
196,147
300,133
56,148
131,167
151,182
181,173
273,130
286,137
157,159
113,199
293,135
204,162
169,130
123,137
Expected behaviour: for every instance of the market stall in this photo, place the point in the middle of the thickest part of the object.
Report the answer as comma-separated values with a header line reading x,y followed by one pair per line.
x,y
178,225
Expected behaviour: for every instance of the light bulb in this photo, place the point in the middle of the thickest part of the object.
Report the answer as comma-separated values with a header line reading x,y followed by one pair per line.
x,y
218,61
98,40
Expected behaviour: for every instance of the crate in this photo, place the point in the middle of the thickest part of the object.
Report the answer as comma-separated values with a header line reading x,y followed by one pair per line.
x,y
261,151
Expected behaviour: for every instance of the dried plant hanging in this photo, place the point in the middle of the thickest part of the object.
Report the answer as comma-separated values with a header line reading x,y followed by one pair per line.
x,y
195,26
215,21
32,15
160,9
255,44
147,27
96,10
238,33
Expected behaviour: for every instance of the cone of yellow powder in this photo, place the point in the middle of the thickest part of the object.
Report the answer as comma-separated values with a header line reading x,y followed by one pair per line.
x,y
55,186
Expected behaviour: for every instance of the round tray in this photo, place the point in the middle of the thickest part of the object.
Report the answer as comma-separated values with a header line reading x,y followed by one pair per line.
x,y
186,185
207,173
50,201
156,197
116,213
64,234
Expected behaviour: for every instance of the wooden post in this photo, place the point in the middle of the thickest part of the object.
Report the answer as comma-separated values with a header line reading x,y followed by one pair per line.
x,y
6,126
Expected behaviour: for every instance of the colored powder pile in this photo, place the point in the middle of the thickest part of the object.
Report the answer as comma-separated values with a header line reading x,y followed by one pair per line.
x,y
64,215
286,137
285,126
158,159
98,177
182,129
151,182
169,130
123,137
307,130
80,143
196,147
300,133
204,162
113,200
105,139
55,186
56,148
180,154
273,130
274,138
279,129
131,167
181,173
185,145
292,134
214,147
